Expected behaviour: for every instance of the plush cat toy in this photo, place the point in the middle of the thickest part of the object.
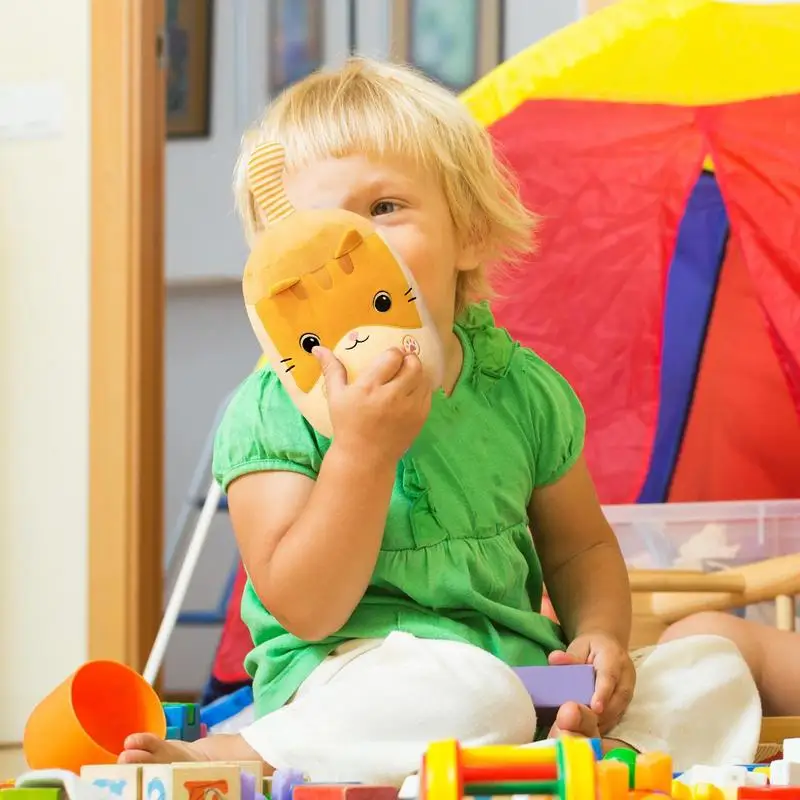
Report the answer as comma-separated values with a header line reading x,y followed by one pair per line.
x,y
327,277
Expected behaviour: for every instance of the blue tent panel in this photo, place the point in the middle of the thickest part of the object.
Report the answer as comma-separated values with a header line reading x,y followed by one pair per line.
x,y
691,287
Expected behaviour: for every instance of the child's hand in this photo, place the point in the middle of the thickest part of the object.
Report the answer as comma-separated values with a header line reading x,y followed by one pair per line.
x,y
615,675
384,409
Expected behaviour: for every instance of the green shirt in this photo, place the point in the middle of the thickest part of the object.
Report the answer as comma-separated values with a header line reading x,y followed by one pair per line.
x,y
457,559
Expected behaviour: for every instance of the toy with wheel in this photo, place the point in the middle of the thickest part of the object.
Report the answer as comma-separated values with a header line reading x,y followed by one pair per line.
x,y
567,769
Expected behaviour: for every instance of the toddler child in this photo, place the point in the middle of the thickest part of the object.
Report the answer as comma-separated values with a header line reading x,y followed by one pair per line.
x,y
393,577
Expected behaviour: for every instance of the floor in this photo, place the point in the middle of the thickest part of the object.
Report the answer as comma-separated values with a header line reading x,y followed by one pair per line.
x,y
12,763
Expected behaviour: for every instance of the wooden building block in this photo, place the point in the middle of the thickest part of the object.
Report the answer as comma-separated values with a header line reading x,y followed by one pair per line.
x,y
156,782
122,781
344,791
253,769
192,781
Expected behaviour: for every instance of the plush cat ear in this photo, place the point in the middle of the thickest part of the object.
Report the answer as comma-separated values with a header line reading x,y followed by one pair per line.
x,y
265,178
350,241
282,286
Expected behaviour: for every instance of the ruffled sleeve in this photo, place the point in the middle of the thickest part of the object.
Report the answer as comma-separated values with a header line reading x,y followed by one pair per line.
x,y
263,430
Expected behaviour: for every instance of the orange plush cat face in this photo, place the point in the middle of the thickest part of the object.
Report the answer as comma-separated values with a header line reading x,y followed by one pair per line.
x,y
337,303
327,277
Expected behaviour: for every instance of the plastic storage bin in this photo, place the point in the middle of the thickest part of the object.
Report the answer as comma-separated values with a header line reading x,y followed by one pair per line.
x,y
707,536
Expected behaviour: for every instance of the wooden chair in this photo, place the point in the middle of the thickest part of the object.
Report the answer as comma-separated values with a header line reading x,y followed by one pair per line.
x,y
661,597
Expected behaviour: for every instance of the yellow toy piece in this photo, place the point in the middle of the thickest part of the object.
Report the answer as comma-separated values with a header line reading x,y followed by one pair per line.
x,y
762,771
680,791
576,766
441,772
612,781
707,791
507,755
653,773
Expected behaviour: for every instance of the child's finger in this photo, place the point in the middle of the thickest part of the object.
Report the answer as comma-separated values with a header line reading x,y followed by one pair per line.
x,y
604,686
561,658
621,697
383,368
579,650
332,369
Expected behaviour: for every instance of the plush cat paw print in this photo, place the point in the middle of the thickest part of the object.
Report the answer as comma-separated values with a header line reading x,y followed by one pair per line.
x,y
411,345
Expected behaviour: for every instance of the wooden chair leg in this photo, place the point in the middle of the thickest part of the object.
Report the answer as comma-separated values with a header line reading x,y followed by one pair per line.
x,y
776,729
784,612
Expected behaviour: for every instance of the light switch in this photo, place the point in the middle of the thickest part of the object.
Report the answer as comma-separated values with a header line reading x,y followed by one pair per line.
x,y
31,110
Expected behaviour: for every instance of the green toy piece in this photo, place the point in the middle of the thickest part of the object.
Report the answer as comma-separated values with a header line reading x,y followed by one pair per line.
x,y
625,756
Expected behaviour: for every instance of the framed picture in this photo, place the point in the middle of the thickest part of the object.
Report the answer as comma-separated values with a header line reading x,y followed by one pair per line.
x,y
455,42
189,35
296,37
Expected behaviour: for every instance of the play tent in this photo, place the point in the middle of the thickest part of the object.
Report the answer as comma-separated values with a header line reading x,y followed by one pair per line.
x,y
660,143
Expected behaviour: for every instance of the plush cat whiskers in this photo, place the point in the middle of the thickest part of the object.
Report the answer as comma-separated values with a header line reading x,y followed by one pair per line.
x,y
327,277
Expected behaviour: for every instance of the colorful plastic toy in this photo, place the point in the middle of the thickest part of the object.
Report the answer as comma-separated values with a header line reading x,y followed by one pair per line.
x,y
567,769
86,719
183,721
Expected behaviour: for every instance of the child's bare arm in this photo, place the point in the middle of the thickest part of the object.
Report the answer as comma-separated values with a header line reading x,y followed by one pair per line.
x,y
310,547
588,583
583,567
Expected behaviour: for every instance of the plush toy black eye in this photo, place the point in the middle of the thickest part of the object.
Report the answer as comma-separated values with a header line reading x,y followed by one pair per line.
x,y
308,341
382,302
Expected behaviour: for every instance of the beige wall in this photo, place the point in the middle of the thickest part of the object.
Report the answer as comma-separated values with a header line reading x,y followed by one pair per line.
x,y
594,5
44,308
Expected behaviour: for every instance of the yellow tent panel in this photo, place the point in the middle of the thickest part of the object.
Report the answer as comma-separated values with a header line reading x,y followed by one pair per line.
x,y
678,52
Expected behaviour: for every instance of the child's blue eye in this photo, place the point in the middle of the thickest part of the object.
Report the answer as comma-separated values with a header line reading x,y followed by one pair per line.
x,y
383,207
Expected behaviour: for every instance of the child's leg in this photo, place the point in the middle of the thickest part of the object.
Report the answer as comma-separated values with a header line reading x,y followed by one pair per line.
x,y
695,699
772,655
372,719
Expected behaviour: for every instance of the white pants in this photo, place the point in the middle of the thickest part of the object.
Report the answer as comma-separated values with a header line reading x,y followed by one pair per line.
x,y
368,713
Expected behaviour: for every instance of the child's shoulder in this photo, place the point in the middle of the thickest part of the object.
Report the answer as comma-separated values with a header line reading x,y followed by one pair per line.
x,y
537,396
261,428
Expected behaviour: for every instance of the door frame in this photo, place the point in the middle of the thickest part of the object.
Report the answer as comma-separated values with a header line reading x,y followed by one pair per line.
x,y
126,428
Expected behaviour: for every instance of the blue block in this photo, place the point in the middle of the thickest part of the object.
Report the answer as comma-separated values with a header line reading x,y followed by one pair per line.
x,y
191,733
185,717
226,707
173,732
175,714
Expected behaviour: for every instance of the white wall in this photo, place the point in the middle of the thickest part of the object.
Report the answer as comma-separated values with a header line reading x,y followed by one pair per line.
x,y
44,284
209,345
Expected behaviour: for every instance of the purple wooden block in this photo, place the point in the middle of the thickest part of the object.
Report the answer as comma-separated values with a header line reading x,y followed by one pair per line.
x,y
248,786
551,687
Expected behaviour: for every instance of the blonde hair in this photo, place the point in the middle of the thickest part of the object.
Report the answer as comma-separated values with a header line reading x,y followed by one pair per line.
x,y
378,108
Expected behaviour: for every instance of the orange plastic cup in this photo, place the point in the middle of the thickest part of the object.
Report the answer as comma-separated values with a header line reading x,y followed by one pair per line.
x,y
86,719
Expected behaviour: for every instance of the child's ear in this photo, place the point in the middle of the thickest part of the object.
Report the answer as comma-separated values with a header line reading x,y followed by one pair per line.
x,y
470,256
